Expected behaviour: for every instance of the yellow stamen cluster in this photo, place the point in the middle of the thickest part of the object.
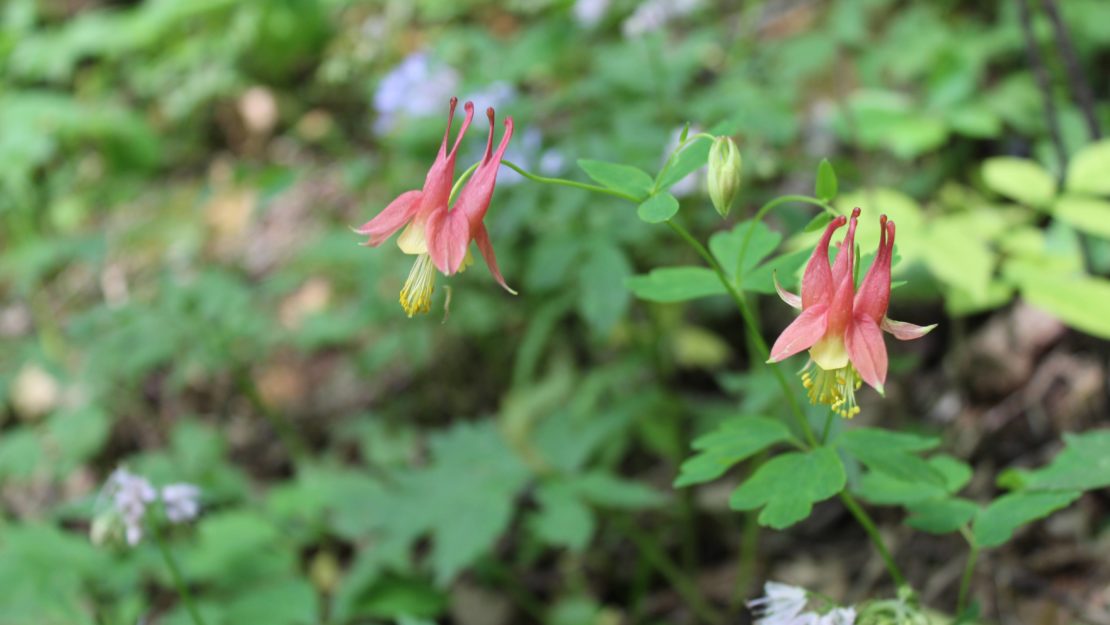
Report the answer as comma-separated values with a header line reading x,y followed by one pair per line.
x,y
834,387
416,295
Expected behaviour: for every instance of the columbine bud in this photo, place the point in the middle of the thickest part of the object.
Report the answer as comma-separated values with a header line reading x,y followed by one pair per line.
x,y
724,174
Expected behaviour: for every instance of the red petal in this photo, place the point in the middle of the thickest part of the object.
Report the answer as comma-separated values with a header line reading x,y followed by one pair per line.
x,y
392,218
817,284
847,253
905,331
486,248
867,351
448,235
800,335
873,296
791,300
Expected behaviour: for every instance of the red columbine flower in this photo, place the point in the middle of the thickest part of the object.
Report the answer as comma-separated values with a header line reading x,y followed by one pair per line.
x,y
841,327
437,235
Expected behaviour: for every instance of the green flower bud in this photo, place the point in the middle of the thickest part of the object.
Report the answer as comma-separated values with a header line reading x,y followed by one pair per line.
x,y
724,174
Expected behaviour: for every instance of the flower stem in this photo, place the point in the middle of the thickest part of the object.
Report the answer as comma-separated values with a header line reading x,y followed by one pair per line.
x,y
762,212
969,569
751,326
669,570
458,183
178,581
293,443
864,520
828,423
571,183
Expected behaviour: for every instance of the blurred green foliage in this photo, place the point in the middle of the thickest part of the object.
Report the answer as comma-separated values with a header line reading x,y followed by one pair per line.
x,y
174,266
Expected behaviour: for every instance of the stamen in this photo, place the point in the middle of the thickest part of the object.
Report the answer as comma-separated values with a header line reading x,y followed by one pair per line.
x,y
835,388
416,295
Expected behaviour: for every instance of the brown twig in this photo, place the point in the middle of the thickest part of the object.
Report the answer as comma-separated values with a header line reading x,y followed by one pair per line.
x,y
1080,88
1040,72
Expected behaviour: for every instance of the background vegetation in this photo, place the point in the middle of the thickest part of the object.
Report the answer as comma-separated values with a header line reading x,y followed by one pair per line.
x,y
180,293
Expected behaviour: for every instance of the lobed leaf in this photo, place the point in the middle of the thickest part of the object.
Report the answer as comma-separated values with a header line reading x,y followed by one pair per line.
x,y
733,441
787,486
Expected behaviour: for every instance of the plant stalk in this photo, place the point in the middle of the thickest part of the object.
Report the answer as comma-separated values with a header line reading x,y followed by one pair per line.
x,y
178,581
864,520
669,570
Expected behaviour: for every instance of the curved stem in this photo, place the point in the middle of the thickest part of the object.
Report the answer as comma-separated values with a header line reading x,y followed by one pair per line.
x,y
969,569
864,520
750,325
458,183
178,581
828,424
570,183
762,212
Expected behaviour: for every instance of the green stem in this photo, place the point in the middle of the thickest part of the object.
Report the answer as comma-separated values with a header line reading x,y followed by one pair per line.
x,y
292,442
669,570
828,424
570,183
873,533
458,183
969,569
752,329
762,212
178,581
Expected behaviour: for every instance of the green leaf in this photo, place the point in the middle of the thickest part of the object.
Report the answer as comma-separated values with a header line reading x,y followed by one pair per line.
x,y
1087,170
464,498
1079,301
1019,179
602,296
624,178
956,472
941,516
563,520
727,246
1091,215
1084,464
77,435
610,491
786,266
658,208
881,488
788,485
996,524
693,157
291,601
676,284
826,186
860,438
819,221
733,441
891,453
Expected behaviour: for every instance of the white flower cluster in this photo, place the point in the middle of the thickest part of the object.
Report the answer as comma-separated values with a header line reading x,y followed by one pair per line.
x,y
783,604
128,496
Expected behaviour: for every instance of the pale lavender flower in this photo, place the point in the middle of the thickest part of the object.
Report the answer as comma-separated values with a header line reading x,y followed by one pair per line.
x,y
495,95
415,88
838,616
552,162
129,494
653,15
781,604
182,502
588,13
